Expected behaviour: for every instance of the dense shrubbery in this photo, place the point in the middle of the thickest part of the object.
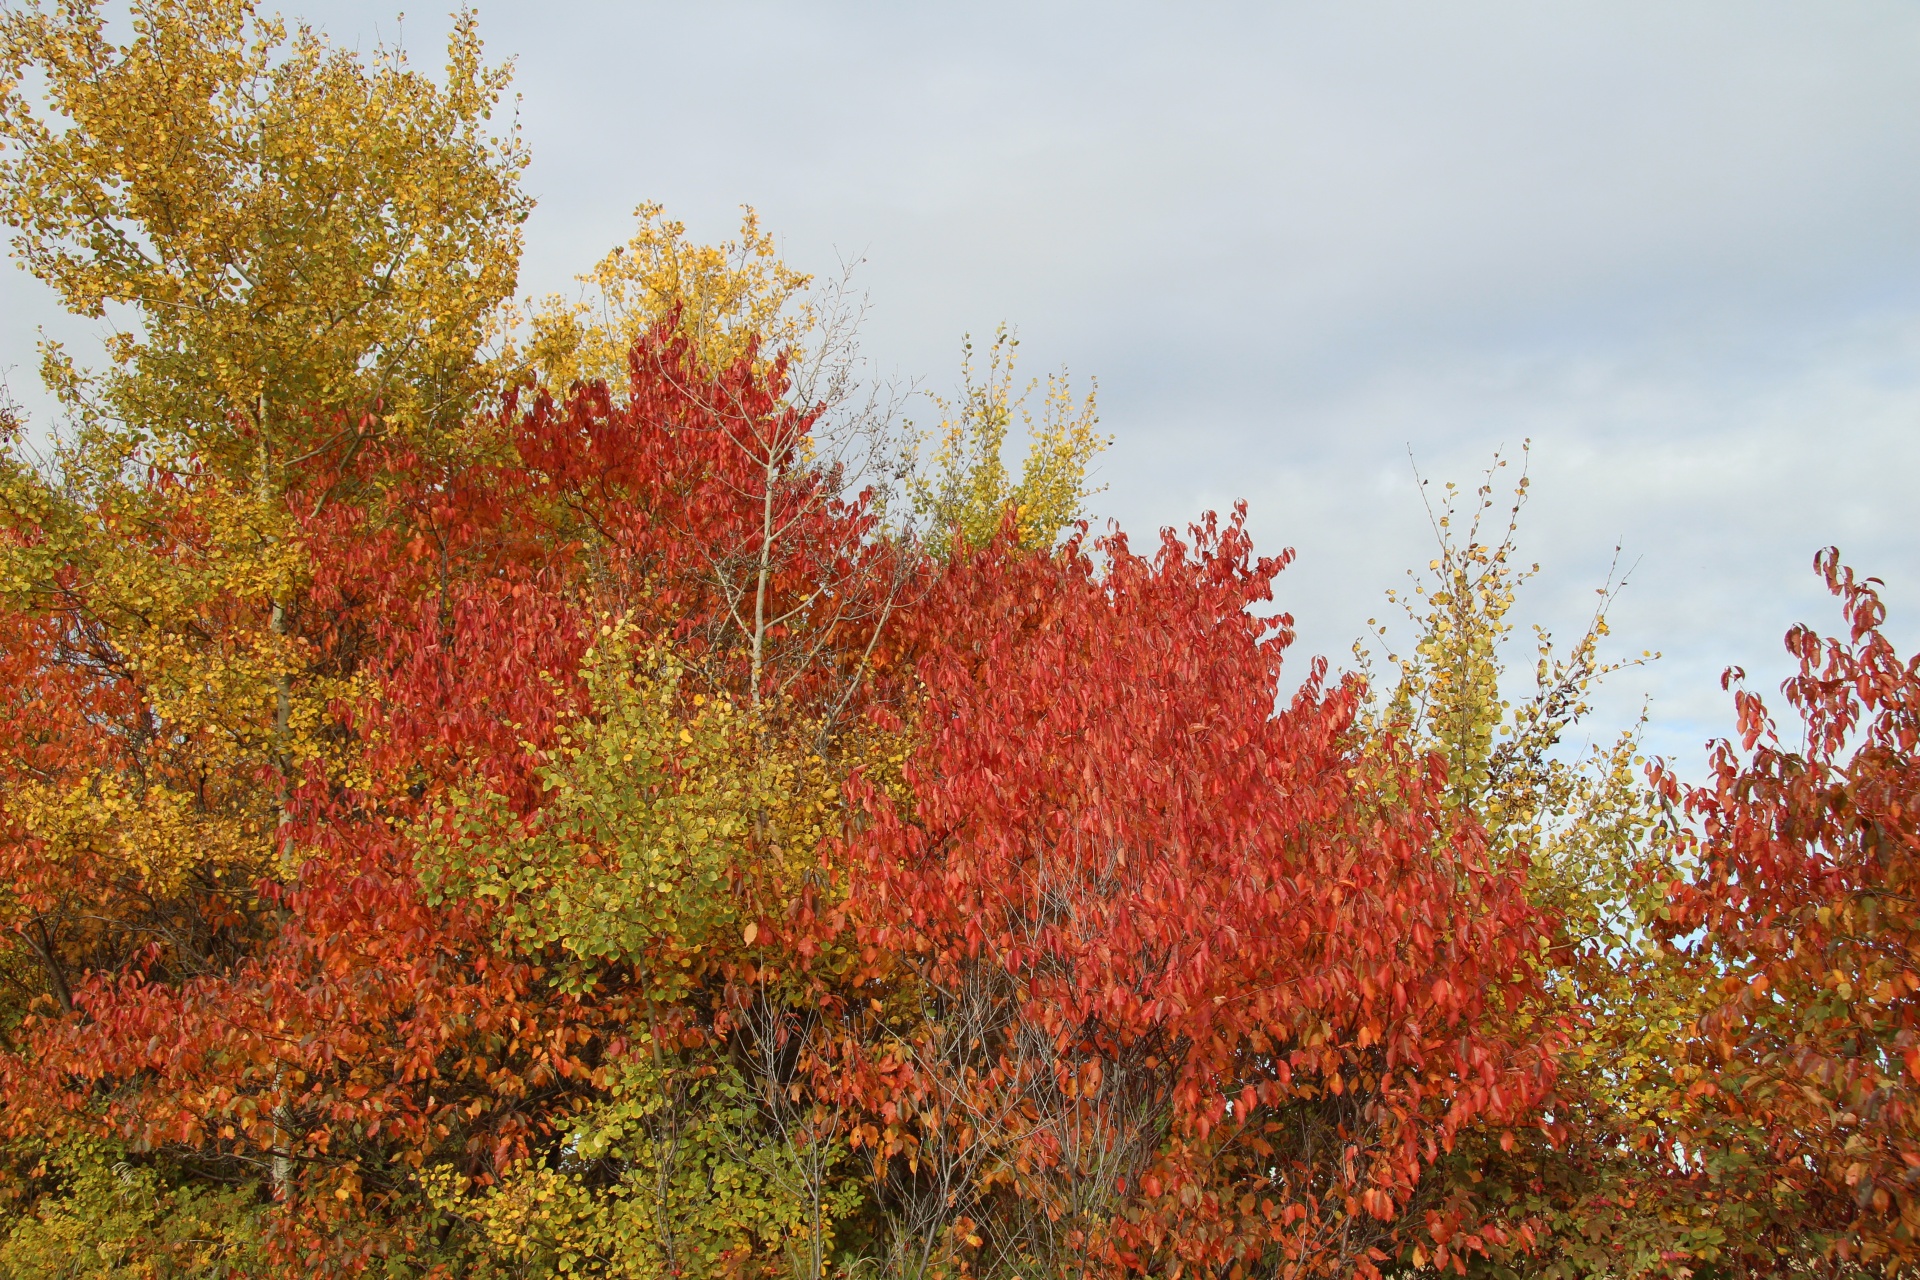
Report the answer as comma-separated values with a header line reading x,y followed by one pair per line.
x,y
565,793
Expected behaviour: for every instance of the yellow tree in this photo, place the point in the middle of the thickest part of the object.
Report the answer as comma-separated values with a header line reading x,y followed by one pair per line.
x,y
725,296
970,489
312,250
739,294
1598,1190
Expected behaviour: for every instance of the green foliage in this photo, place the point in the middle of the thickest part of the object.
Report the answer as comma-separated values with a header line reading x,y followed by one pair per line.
x,y
634,857
105,1217
676,1174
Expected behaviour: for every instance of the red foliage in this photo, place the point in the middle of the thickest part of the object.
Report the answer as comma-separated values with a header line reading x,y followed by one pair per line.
x,y
369,1031
1149,973
1204,983
1810,904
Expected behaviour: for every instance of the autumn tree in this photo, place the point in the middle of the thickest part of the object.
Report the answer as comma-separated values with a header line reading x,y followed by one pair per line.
x,y
1168,980
1606,1189
660,503
514,792
311,253
1803,896
967,490
313,250
305,255
318,573
733,299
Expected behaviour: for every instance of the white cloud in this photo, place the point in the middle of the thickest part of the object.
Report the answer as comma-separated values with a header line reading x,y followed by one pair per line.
x,y
1676,246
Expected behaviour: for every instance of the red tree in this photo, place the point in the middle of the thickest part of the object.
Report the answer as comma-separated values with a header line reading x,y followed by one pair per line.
x,y
1175,980
1810,905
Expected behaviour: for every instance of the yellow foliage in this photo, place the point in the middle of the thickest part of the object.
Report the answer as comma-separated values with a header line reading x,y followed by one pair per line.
x,y
971,491
636,856
152,837
183,620
314,248
1503,759
1595,845
670,818
300,252
115,1220
727,295
675,822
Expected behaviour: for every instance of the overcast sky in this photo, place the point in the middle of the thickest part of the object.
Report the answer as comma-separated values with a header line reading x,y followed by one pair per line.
x,y
1677,246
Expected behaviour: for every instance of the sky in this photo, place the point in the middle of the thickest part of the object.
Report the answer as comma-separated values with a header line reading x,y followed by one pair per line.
x,y
1307,248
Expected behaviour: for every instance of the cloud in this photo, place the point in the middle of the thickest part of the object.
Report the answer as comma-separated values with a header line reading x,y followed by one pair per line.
x,y
1675,246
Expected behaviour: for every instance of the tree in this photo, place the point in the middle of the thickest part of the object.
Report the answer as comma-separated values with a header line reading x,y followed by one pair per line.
x,y
1610,1187
307,573
311,253
732,299
315,251
964,500
1804,898
497,810
682,809
1165,979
